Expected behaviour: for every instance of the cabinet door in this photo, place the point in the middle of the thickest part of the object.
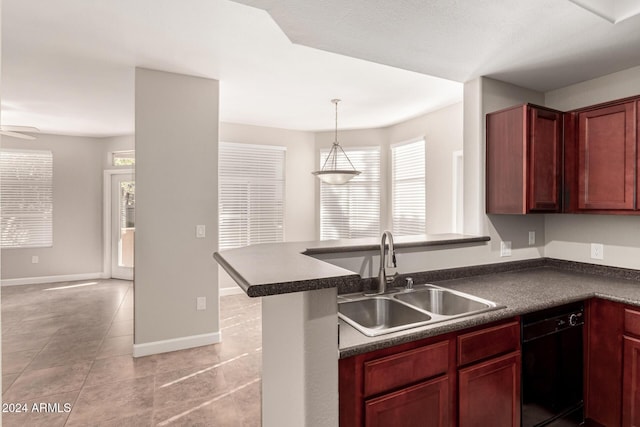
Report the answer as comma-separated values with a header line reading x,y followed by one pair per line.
x,y
423,405
489,393
631,383
506,168
607,157
545,141
605,321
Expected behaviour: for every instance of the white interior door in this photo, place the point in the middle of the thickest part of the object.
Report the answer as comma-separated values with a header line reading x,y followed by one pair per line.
x,y
122,225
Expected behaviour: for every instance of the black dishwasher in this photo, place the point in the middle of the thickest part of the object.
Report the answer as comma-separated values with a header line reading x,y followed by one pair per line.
x,y
552,362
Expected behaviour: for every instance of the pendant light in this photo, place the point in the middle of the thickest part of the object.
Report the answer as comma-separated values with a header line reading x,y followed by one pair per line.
x,y
330,172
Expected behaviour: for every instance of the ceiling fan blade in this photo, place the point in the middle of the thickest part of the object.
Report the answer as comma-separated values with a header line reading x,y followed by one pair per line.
x,y
16,134
18,131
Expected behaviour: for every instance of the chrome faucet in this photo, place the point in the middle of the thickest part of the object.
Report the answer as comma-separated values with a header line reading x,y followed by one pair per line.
x,y
383,280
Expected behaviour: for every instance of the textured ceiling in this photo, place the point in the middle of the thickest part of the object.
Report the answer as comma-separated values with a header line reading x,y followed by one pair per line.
x,y
68,67
541,44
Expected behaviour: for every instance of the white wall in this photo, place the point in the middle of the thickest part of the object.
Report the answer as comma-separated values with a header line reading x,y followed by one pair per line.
x,y
176,189
77,211
299,216
569,236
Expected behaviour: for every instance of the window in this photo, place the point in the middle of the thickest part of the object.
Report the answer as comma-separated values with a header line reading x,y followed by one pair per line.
x,y
26,199
352,210
251,194
408,188
123,158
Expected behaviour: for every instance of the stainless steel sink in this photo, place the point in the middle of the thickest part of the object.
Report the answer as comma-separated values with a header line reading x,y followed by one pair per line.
x,y
375,315
444,301
401,309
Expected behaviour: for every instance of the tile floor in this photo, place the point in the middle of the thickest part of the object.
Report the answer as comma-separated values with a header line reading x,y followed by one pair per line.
x,y
70,343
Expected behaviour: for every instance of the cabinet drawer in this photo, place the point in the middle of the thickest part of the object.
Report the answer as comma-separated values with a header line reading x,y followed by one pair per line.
x,y
425,404
632,322
405,368
488,342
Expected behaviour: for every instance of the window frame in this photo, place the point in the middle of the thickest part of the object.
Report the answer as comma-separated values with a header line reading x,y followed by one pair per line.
x,y
397,224
248,180
337,232
40,221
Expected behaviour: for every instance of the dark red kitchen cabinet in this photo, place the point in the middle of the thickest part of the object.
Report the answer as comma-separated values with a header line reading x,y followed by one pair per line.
x,y
631,383
606,157
407,385
524,148
423,405
489,376
489,393
603,362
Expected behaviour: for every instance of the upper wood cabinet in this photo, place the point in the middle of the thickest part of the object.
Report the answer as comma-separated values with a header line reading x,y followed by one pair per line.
x,y
524,148
607,157
601,154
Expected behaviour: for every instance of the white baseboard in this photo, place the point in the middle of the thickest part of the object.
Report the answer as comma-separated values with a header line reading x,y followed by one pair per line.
x,y
236,290
164,346
52,279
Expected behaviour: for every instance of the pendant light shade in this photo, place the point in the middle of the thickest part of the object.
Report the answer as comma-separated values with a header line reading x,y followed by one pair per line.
x,y
330,173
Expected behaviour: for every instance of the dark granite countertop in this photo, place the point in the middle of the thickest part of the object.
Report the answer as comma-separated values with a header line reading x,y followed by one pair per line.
x,y
281,268
545,283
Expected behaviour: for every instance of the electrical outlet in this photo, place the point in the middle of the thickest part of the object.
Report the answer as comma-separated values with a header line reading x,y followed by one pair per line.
x,y
505,248
597,251
201,303
532,238
201,231
35,259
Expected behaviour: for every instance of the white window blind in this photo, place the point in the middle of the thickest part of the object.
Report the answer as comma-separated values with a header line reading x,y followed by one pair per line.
x,y
26,198
352,210
251,194
408,188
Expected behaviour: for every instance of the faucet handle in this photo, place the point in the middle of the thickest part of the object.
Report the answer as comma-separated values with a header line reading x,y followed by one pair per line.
x,y
408,283
393,259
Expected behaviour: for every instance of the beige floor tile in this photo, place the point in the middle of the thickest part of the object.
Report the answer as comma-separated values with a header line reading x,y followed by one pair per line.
x,y
58,354
109,402
95,322
116,346
193,384
8,380
220,411
118,368
48,381
15,362
120,328
183,359
19,341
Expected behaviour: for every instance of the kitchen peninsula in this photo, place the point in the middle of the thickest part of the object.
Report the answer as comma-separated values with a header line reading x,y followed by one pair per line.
x,y
300,337
299,319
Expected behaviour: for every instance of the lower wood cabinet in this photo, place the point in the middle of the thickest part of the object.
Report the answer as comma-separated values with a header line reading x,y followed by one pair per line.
x,y
424,405
489,393
603,362
612,393
469,378
631,382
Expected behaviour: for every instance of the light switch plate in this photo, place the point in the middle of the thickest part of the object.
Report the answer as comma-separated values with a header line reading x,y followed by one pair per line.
x,y
201,303
201,231
505,248
597,251
35,259
532,238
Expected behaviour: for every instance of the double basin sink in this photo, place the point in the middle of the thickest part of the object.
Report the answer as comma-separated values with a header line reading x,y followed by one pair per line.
x,y
401,309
